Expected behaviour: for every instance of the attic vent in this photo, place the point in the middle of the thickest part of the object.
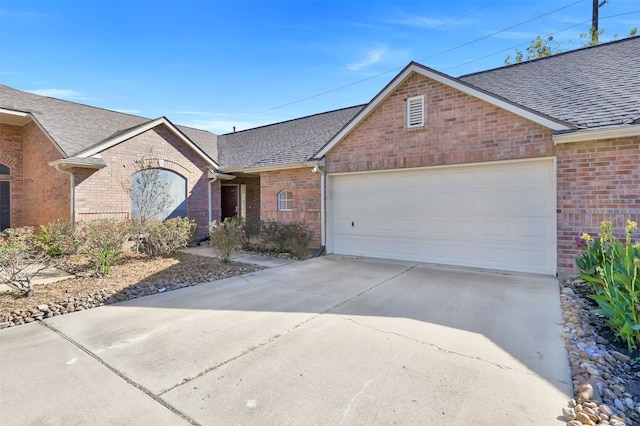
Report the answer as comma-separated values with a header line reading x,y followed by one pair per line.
x,y
415,111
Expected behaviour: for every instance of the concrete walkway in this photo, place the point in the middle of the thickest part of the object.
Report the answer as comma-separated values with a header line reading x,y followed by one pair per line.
x,y
327,341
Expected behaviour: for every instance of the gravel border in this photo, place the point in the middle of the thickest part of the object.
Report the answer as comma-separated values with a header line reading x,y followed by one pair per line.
x,y
600,374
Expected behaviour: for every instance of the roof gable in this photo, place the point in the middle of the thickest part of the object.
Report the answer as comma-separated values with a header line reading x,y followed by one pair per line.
x,y
77,128
466,88
137,130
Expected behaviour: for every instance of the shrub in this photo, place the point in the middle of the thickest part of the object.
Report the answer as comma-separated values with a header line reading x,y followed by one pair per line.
x,y
293,237
251,232
103,243
21,258
225,237
612,270
59,238
165,238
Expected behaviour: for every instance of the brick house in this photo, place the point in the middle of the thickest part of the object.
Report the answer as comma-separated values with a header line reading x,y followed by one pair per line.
x,y
501,169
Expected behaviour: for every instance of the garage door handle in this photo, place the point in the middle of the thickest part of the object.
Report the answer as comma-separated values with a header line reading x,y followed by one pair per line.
x,y
352,224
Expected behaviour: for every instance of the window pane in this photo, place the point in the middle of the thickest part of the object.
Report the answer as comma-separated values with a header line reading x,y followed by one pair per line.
x,y
4,170
154,189
285,200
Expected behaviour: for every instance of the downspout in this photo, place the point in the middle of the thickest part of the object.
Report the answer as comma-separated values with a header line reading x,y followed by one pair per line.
x,y
317,169
73,191
215,178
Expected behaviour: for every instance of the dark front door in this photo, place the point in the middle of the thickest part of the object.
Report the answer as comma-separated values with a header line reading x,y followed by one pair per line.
x,y
5,208
229,201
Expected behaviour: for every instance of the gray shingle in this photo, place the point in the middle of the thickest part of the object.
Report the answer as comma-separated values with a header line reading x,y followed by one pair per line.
x,y
76,127
289,142
593,87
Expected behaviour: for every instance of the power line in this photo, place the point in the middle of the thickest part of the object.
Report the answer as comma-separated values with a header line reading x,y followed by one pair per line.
x,y
421,59
509,49
383,73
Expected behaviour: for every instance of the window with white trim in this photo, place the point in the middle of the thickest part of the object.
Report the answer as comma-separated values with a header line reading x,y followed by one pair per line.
x,y
415,112
285,200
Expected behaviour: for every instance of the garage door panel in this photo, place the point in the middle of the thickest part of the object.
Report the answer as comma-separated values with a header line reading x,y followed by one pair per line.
x,y
499,216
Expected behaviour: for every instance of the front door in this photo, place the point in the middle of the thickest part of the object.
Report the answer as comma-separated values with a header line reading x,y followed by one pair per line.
x,y
5,208
229,201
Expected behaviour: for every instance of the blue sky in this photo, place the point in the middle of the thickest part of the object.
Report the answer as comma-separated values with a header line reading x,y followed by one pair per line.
x,y
218,64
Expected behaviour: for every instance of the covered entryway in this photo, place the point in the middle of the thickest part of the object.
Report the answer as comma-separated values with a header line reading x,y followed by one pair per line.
x,y
495,215
229,201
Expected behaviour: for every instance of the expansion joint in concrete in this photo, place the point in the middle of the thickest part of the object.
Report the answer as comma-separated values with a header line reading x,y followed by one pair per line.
x,y
123,376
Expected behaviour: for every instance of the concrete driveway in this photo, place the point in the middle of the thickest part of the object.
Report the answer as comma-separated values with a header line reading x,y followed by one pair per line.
x,y
325,342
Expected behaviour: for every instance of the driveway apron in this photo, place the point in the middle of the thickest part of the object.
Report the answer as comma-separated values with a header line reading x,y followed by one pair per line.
x,y
331,340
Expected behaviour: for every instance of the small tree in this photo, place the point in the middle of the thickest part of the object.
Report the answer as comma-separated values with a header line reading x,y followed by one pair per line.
x,y
538,48
147,191
21,258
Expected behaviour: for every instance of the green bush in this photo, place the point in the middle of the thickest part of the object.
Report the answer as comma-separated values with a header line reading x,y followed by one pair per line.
x,y
162,238
292,237
21,258
612,270
59,238
251,232
225,237
103,242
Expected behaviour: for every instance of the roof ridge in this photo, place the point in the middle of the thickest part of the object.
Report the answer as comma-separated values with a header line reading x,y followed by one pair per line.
x,y
568,52
292,119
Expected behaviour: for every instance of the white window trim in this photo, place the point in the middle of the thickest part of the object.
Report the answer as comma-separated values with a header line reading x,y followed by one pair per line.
x,y
280,208
415,107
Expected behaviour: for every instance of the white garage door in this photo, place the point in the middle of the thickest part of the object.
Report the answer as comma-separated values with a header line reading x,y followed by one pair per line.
x,y
496,215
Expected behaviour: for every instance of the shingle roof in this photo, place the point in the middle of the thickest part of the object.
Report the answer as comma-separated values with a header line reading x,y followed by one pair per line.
x,y
592,87
76,127
289,142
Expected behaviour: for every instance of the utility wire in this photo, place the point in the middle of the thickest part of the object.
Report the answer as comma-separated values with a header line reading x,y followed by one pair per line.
x,y
383,73
421,59
509,49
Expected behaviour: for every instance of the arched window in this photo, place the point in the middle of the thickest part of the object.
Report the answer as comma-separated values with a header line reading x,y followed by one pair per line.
x,y
158,193
5,198
285,200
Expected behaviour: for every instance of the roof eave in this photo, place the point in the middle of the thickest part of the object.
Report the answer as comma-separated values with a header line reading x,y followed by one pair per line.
x,y
258,169
141,129
453,82
75,162
584,135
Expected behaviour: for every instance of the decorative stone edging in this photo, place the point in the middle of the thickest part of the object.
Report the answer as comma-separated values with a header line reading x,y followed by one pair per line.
x,y
600,375
107,297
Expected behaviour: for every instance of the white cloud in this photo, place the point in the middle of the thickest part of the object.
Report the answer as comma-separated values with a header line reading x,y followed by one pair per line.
x,y
59,93
373,56
127,111
426,22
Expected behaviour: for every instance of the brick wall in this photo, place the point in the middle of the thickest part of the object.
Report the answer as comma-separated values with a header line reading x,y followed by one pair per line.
x,y
101,193
597,180
11,155
459,129
39,194
305,187
47,192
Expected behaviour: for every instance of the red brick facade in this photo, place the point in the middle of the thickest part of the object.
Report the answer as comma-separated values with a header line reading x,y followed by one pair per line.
x,y
101,193
597,180
459,129
39,194
305,187
11,156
